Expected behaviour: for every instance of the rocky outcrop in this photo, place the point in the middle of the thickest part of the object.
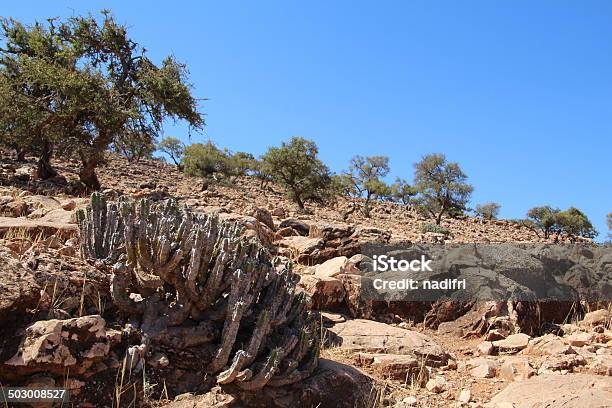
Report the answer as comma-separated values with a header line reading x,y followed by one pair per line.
x,y
60,346
374,337
556,391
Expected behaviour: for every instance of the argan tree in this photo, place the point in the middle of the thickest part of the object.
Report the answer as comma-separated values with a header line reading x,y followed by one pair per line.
x,y
174,148
79,85
296,166
488,211
442,186
543,219
609,221
574,223
364,180
402,192
209,162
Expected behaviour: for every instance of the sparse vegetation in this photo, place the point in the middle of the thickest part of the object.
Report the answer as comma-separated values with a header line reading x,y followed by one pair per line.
x,y
174,148
488,211
209,162
442,186
364,180
296,167
571,222
77,86
434,228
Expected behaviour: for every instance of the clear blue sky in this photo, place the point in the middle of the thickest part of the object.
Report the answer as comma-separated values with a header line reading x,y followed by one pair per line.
x,y
518,92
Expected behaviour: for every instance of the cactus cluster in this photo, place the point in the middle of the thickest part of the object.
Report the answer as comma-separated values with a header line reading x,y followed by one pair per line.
x,y
191,281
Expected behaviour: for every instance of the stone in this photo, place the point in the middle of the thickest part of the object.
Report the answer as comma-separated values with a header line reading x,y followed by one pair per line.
x,y
436,385
562,363
556,391
404,368
408,402
597,317
332,267
19,291
302,249
300,226
579,339
512,343
601,365
329,231
482,367
516,370
35,227
465,396
485,348
548,345
262,215
358,306
68,205
375,337
327,293
56,346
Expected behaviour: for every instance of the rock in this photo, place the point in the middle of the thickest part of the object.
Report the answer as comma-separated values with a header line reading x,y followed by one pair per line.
x,y
482,367
69,205
408,402
562,362
465,396
35,227
579,339
556,391
364,234
279,212
598,317
376,337
327,293
349,386
19,291
262,215
332,267
436,385
57,346
516,370
601,365
548,345
14,208
329,231
300,226
302,249
512,343
485,348
405,368
358,306
254,228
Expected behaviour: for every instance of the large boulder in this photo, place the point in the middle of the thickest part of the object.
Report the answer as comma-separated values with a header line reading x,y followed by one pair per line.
x,y
37,226
329,231
556,391
375,337
326,293
332,385
59,346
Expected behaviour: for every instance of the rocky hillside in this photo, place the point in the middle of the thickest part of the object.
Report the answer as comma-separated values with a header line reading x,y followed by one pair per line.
x,y
158,180
83,307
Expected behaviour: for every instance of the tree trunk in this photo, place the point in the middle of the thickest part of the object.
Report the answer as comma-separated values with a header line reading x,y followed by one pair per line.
x,y
439,218
20,153
44,170
88,176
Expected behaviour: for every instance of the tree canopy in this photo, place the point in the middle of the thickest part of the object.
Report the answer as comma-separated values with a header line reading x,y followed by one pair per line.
x,y
295,165
79,85
441,185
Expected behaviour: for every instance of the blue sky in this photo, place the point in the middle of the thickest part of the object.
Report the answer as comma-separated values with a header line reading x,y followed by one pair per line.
x,y
518,92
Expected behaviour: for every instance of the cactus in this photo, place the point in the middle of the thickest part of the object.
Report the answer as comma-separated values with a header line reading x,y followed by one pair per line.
x,y
190,280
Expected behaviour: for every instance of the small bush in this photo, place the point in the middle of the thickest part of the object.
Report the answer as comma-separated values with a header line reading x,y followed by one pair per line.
x,y
435,228
488,211
209,162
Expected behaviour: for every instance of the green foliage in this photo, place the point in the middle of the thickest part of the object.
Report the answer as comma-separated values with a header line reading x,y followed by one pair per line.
x,y
77,86
174,148
296,167
571,222
363,180
442,186
574,223
134,147
209,162
435,228
488,211
544,219
244,163
402,192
